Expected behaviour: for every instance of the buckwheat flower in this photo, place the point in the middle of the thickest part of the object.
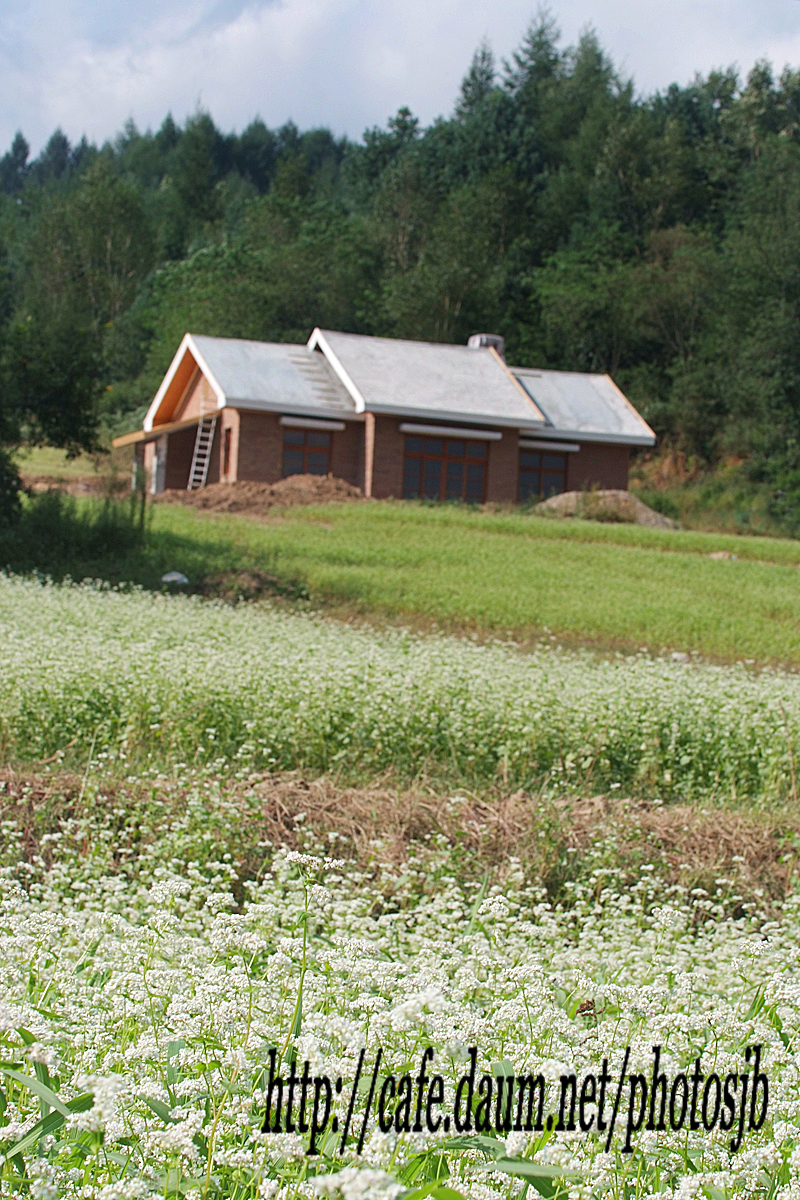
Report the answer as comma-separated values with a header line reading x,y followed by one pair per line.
x,y
105,1090
380,1145
494,906
126,1189
516,1143
37,1053
285,1145
178,1139
456,1049
164,891
410,1011
319,896
358,1183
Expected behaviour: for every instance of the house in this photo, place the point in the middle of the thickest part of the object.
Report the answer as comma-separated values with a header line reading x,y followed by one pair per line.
x,y
396,418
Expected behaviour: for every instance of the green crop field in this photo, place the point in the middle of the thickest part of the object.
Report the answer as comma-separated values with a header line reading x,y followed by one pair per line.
x,y
615,585
609,586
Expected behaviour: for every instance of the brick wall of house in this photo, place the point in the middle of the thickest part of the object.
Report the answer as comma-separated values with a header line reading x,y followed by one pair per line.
x,y
598,465
180,448
260,447
503,474
387,470
347,451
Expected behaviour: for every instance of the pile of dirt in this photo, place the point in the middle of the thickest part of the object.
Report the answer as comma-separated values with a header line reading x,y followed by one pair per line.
x,y
257,498
611,504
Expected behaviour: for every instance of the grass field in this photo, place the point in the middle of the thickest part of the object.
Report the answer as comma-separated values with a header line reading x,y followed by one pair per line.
x,y
611,585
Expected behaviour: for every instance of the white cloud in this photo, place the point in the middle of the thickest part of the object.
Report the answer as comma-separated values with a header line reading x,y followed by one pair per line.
x,y
347,64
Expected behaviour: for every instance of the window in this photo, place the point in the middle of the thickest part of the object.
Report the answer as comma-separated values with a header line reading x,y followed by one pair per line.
x,y
306,452
226,453
541,475
444,469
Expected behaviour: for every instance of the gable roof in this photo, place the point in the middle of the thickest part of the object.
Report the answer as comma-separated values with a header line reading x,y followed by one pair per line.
x,y
267,376
589,407
428,380
342,375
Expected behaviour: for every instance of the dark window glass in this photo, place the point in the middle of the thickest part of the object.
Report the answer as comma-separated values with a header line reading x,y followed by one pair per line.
x,y
541,475
528,484
440,469
316,463
475,481
432,479
412,477
306,452
292,462
454,482
552,483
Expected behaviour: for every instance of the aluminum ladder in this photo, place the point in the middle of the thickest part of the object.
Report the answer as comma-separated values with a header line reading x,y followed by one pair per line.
x,y
202,453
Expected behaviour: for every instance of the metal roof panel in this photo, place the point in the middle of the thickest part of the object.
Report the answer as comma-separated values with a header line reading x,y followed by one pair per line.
x,y
275,376
430,378
591,405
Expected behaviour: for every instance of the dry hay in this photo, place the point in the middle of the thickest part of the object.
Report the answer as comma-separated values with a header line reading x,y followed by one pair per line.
x,y
610,504
553,840
257,498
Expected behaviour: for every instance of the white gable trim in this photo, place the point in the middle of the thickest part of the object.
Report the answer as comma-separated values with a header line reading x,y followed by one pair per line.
x,y
319,341
188,343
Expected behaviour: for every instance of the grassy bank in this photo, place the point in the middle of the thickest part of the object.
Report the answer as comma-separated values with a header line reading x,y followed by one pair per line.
x,y
612,586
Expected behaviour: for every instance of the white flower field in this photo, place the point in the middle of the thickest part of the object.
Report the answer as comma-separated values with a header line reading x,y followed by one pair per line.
x,y
158,679
146,983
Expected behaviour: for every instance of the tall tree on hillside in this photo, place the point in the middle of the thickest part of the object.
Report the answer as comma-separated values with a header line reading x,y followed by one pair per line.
x,y
478,83
14,166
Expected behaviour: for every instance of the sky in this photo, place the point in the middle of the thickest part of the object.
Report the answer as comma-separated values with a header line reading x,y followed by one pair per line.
x,y
345,64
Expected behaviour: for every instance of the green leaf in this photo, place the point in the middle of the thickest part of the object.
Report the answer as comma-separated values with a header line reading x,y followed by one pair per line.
x,y
436,1191
39,1089
48,1124
478,1141
431,1166
160,1110
548,1181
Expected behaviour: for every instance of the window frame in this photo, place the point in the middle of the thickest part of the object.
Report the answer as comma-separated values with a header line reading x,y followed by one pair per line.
x,y
444,457
290,442
541,470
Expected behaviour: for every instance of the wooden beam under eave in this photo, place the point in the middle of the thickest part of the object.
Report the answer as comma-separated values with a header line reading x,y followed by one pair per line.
x,y
143,435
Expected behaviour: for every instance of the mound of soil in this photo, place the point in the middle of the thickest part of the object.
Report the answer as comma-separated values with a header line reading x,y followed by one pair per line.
x,y
249,497
611,504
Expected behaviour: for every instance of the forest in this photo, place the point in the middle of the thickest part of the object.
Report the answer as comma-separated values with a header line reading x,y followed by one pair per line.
x,y
655,238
